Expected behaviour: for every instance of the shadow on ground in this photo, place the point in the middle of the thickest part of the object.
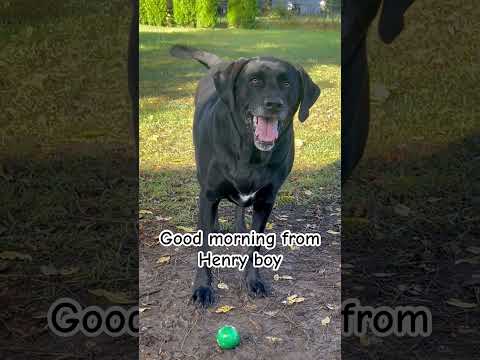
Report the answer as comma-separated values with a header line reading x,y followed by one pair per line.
x,y
410,235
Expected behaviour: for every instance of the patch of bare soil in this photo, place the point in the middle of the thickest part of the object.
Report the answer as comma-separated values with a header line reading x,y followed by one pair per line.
x,y
171,327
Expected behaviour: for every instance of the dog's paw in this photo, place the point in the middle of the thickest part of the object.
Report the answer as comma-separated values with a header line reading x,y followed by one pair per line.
x,y
203,296
256,286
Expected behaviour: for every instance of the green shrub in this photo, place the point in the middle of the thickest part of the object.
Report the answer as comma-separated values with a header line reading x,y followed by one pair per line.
x,y
249,13
184,12
206,13
280,12
242,13
153,12
234,12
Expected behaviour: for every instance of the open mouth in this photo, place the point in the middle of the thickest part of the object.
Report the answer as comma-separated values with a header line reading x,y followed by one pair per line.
x,y
265,132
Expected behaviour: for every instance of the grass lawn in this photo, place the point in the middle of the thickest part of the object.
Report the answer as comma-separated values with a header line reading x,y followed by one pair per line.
x,y
167,169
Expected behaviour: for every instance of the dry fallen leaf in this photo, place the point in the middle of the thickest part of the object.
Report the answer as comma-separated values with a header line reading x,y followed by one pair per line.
x,y
224,309
273,339
332,232
145,212
277,277
163,259
185,228
50,270
143,309
117,298
326,321
13,255
461,304
474,250
69,271
472,261
222,285
161,218
271,313
308,193
293,299
269,226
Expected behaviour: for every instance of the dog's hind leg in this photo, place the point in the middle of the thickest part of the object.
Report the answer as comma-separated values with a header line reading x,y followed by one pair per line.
x,y
240,226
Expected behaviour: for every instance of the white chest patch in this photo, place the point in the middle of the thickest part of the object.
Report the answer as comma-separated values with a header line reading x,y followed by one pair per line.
x,y
247,197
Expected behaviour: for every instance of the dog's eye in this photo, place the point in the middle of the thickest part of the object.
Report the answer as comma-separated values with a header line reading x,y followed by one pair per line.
x,y
255,81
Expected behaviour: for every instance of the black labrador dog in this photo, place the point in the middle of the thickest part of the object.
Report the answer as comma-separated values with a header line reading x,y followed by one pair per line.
x,y
244,143
356,19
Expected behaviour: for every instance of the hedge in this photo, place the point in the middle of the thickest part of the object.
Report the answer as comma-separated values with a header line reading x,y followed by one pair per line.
x,y
241,13
206,13
184,12
153,12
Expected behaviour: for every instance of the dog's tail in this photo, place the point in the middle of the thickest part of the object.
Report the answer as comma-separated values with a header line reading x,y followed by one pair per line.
x,y
203,57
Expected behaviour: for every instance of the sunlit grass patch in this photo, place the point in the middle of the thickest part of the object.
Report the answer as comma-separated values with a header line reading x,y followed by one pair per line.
x,y
167,85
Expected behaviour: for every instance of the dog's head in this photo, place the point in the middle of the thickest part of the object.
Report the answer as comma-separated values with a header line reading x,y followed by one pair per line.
x,y
263,95
358,15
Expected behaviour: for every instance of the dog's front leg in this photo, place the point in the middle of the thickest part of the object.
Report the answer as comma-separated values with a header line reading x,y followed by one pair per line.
x,y
262,208
203,293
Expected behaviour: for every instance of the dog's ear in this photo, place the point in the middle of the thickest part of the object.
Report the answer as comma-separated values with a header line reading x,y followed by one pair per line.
x,y
309,93
391,19
224,81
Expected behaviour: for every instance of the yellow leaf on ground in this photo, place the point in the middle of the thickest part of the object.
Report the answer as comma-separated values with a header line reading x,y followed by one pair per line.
x,y
222,285
117,297
271,313
326,321
293,299
224,309
13,255
163,259
273,339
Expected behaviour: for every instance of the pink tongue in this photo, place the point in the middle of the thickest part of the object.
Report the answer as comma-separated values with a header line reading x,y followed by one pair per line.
x,y
266,130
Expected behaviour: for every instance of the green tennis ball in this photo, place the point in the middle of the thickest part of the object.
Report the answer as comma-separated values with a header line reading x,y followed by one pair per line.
x,y
228,337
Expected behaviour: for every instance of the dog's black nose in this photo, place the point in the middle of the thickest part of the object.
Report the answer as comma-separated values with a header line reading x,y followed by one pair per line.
x,y
273,104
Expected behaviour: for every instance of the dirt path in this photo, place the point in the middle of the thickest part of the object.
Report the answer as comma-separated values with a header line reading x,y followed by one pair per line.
x,y
172,328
